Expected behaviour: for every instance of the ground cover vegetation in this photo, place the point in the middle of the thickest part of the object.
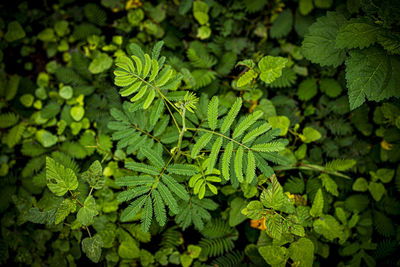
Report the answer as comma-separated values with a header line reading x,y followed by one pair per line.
x,y
200,133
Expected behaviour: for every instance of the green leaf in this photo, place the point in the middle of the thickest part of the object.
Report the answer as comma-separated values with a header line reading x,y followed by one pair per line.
x,y
318,204
212,114
246,123
59,178
14,32
254,210
235,215
310,135
175,187
147,215
214,154
168,198
307,89
270,147
130,212
182,169
319,45
226,160
281,122
246,78
128,249
357,33
46,138
302,252
155,159
377,190
250,136
273,196
251,167
233,112
92,247
100,63
328,227
274,255
94,175
65,208
77,113
239,164
361,185
271,68
370,75
329,184
340,164
87,212
159,208
200,144
282,25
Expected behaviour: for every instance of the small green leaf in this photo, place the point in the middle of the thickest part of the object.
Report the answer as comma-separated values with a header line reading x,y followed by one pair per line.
x,y
87,212
92,247
318,204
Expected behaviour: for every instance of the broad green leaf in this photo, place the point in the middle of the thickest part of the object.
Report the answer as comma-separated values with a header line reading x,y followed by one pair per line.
x,y
128,249
271,68
328,227
281,122
307,89
87,212
377,190
100,63
253,210
361,185
14,32
274,255
319,45
357,33
65,208
302,252
273,196
60,179
235,215
92,247
317,205
370,74
310,135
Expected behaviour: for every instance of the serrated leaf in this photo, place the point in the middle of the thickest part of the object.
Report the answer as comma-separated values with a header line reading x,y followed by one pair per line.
x,y
271,68
133,209
65,208
87,212
251,167
357,33
92,247
318,204
214,154
59,179
319,45
159,208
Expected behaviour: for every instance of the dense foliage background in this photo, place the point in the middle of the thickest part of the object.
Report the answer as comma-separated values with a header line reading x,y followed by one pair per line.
x,y
261,132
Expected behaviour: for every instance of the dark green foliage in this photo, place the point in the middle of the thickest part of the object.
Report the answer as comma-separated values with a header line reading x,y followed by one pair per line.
x,y
200,133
